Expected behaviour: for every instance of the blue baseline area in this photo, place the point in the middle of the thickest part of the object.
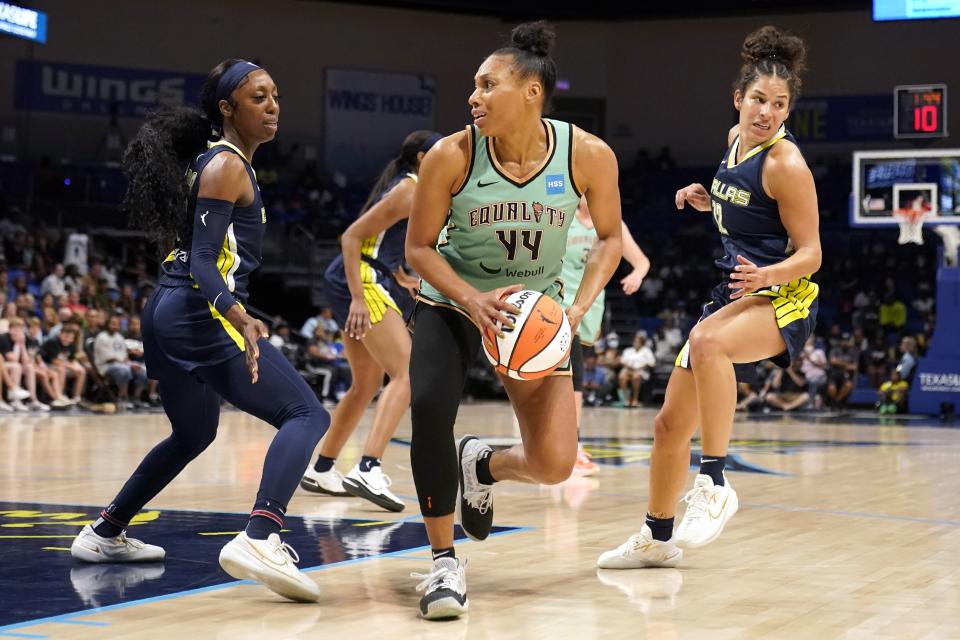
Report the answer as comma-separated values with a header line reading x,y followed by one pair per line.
x,y
41,582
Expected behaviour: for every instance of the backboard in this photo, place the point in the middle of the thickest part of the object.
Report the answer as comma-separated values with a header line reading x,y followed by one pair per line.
x,y
885,182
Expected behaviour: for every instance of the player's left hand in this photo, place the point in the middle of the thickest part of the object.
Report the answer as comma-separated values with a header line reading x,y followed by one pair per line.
x,y
574,316
747,278
632,282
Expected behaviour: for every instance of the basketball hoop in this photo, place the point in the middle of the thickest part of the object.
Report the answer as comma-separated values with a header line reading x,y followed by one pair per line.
x,y
911,225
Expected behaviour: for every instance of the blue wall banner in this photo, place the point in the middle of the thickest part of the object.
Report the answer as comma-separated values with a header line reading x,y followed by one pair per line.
x,y
93,90
842,118
369,113
23,23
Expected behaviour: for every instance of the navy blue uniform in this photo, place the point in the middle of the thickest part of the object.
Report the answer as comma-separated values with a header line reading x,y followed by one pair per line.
x,y
189,327
381,255
749,224
197,355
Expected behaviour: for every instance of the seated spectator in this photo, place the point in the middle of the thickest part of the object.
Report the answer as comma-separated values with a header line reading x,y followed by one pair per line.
x,y
638,362
282,340
54,283
74,303
113,362
327,320
63,353
48,377
320,363
93,321
893,394
908,359
788,388
595,383
813,364
127,302
134,341
843,371
876,361
608,355
18,366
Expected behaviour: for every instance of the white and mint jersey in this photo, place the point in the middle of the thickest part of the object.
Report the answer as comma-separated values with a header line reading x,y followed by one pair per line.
x,y
502,231
580,241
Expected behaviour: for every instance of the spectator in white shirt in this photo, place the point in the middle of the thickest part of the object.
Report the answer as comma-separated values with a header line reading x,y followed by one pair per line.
x,y
113,362
638,362
54,283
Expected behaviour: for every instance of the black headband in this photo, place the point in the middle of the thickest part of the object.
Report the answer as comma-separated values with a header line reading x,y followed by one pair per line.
x,y
232,77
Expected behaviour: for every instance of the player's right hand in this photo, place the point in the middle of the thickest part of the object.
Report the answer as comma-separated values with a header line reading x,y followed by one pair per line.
x,y
252,330
695,195
358,319
487,308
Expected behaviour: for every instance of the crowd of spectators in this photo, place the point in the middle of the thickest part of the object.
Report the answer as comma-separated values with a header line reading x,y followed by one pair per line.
x,y
876,304
69,325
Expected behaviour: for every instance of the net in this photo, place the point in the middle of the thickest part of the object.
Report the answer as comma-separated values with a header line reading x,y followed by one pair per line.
x,y
911,225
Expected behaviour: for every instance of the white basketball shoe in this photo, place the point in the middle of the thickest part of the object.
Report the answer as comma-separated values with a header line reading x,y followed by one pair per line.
x,y
90,547
446,589
709,507
372,485
639,551
270,562
326,482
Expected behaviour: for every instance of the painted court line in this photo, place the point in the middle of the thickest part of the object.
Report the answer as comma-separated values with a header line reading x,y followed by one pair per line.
x,y
68,617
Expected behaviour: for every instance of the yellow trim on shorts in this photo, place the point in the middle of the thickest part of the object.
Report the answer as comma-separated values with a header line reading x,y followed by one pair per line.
x,y
229,328
683,358
378,301
791,301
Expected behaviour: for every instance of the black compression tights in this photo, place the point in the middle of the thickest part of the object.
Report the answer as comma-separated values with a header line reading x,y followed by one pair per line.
x,y
445,344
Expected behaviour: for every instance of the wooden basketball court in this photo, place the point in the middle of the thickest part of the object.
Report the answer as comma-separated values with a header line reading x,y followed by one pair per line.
x,y
848,527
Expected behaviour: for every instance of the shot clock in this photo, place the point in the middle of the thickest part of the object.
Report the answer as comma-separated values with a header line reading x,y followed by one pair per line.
x,y
920,111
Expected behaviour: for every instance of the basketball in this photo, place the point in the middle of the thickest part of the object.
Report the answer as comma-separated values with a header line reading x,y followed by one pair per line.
x,y
539,341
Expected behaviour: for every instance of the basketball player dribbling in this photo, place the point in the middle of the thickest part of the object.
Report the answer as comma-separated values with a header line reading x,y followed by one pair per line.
x,y
491,214
764,205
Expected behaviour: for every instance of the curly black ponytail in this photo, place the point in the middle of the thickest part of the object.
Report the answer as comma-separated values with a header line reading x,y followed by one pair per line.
x,y
157,158
771,52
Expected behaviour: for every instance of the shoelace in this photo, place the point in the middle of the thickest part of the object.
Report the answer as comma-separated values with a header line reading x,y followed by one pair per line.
x,y
696,500
378,479
436,579
287,550
130,543
636,542
480,499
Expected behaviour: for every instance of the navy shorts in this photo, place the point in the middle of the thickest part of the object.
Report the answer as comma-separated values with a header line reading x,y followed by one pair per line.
x,y
182,331
795,303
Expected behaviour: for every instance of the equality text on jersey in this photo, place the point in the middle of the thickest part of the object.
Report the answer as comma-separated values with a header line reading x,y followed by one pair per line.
x,y
730,193
508,212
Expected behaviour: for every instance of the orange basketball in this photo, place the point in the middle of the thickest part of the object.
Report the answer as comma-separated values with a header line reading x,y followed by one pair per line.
x,y
539,341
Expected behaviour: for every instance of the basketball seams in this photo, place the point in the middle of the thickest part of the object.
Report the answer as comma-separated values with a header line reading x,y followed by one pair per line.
x,y
506,347
546,342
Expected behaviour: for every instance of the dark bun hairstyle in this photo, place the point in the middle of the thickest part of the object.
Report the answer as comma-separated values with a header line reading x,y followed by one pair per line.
x,y
771,52
530,45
